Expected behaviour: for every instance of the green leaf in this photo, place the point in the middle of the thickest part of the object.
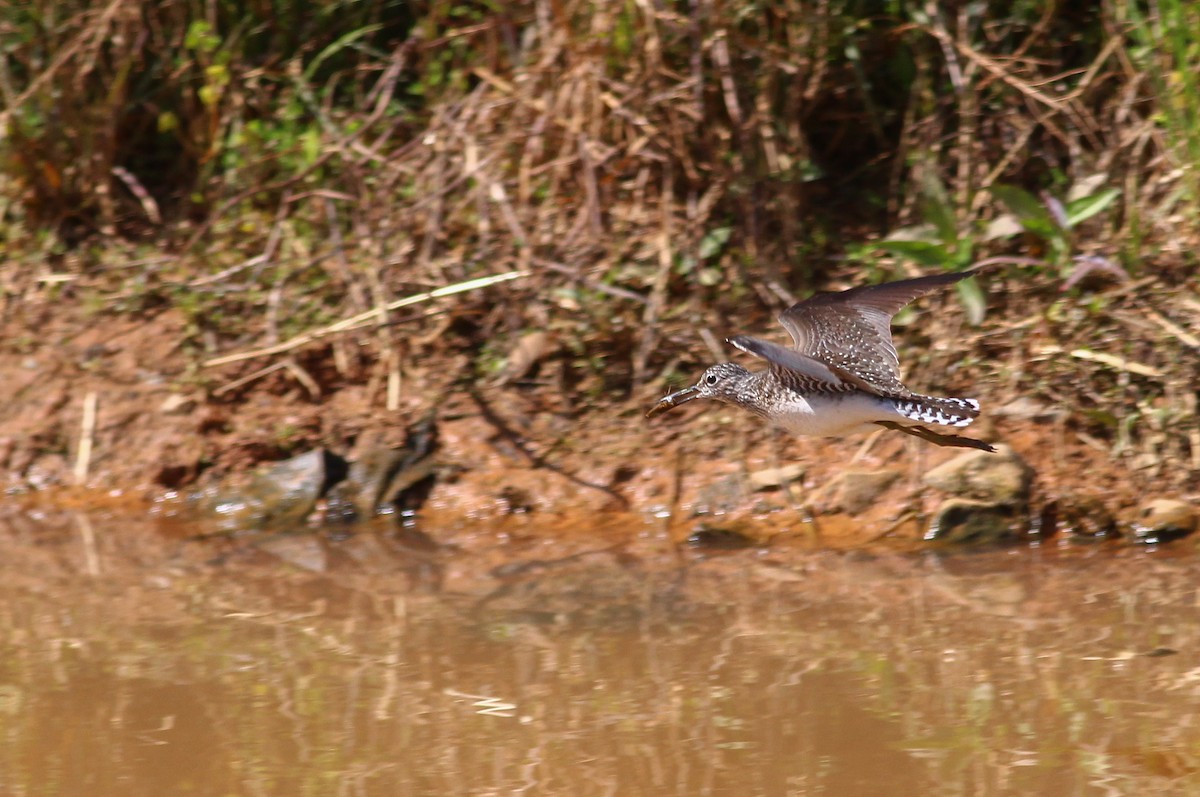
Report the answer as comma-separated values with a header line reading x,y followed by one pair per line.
x,y
217,75
200,37
209,95
923,252
311,141
1084,208
714,241
1028,209
341,43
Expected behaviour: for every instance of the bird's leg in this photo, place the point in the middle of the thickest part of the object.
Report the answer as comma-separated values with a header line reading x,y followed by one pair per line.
x,y
939,439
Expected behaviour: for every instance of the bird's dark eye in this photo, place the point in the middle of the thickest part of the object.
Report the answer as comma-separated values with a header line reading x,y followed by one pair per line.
x,y
710,380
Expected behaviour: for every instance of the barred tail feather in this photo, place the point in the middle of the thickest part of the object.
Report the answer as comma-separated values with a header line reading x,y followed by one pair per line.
x,y
940,411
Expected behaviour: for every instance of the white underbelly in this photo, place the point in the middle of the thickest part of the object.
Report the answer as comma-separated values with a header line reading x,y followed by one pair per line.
x,y
829,416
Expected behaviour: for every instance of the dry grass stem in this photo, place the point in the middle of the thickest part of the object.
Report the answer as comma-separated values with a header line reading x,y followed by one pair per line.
x,y
365,319
250,377
87,437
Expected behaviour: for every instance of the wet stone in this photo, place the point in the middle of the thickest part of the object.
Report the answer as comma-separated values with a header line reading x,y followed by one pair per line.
x,y
971,522
999,478
719,539
280,494
384,478
363,491
1084,519
1163,520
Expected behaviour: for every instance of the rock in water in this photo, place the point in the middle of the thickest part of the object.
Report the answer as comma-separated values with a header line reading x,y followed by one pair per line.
x,y
1164,519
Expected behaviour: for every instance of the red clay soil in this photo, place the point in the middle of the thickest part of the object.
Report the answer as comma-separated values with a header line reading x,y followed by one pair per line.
x,y
516,459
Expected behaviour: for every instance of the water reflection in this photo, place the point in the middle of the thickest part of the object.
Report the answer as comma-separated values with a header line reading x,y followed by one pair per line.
x,y
1007,673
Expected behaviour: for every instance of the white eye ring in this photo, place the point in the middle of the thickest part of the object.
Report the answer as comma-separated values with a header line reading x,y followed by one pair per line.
x,y
710,380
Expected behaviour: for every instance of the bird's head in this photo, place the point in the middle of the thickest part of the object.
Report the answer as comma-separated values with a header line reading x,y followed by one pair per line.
x,y
721,382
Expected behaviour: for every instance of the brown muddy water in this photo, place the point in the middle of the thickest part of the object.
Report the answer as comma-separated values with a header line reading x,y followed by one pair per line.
x,y
135,660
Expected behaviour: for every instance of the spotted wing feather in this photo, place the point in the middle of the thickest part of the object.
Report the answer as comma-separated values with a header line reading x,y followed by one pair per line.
x,y
850,332
814,373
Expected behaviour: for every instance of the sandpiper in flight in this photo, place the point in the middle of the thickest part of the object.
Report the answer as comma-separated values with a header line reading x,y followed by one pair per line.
x,y
843,373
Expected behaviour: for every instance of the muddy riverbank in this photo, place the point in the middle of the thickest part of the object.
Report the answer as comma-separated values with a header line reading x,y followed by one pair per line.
x,y
112,407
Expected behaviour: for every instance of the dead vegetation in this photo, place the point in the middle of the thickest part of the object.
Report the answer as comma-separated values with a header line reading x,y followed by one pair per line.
x,y
632,178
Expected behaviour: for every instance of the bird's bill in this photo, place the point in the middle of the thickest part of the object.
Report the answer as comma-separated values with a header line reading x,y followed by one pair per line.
x,y
674,400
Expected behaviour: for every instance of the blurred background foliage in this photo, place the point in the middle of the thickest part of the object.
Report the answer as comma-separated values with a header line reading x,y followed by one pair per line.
x,y
653,167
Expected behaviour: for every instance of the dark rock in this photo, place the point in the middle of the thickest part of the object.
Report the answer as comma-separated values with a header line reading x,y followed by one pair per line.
x,y
385,479
362,494
719,539
964,520
1082,519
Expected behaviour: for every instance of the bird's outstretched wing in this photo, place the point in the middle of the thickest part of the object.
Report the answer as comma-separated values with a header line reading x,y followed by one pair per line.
x,y
850,331
799,370
800,366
